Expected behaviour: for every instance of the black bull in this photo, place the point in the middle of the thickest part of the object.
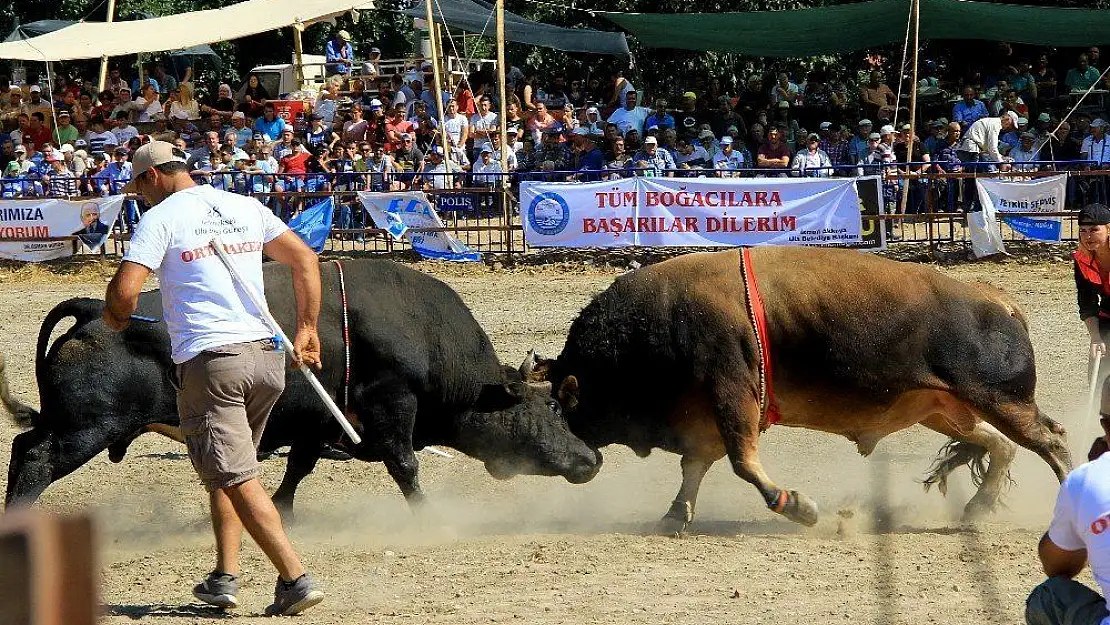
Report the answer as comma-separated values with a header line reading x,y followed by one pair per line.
x,y
861,346
423,372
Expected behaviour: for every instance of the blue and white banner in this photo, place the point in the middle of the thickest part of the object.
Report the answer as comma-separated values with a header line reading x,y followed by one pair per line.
x,y
398,212
32,222
1041,195
691,212
314,223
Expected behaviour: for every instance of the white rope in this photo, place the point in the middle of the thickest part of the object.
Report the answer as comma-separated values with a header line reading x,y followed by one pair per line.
x,y
469,60
1078,102
50,89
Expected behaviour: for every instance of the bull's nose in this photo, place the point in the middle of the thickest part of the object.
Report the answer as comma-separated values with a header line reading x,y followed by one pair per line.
x,y
585,468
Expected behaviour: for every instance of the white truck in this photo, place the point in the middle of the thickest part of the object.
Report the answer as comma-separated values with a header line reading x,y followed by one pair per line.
x,y
278,79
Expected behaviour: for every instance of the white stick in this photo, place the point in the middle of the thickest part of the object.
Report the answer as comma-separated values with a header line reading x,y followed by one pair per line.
x,y
1092,393
260,304
437,452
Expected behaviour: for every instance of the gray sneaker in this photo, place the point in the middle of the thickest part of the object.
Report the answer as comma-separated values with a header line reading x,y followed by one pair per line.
x,y
218,589
294,597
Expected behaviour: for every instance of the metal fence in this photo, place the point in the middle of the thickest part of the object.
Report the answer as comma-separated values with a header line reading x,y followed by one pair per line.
x,y
923,203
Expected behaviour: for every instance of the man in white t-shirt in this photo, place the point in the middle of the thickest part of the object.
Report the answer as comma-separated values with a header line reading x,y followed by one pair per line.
x,y
631,117
228,367
1078,535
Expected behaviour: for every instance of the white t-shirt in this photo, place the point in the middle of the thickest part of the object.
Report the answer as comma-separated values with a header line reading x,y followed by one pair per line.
x,y
201,303
125,133
630,120
454,127
1082,518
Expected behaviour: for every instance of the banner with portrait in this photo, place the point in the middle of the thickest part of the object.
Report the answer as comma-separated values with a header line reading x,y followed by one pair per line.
x,y
45,229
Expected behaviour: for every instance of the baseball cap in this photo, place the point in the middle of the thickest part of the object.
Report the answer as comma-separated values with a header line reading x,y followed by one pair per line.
x,y
865,122
258,136
486,149
876,136
80,143
706,134
1022,121
652,127
1094,215
690,95
20,148
1012,115
651,141
344,35
783,104
906,127
36,89
726,140
826,125
375,51
592,109
936,123
238,115
121,150
580,131
151,155
1098,123
15,89
886,130
813,136
1044,117
375,103
66,148
63,113
731,129
1028,135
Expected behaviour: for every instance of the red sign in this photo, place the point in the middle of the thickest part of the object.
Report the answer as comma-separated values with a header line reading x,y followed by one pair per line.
x,y
287,109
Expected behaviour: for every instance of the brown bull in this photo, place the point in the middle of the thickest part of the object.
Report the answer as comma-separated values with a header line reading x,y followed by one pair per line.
x,y
858,345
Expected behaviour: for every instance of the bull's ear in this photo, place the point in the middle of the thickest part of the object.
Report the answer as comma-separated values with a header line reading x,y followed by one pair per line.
x,y
494,397
568,392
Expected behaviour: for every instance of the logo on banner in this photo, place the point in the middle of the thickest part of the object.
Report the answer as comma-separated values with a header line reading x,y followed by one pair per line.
x,y
548,213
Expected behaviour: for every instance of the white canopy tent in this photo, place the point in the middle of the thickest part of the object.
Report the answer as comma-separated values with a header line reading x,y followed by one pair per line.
x,y
91,40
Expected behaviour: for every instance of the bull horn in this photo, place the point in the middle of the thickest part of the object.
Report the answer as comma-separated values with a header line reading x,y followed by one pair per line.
x,y
529,364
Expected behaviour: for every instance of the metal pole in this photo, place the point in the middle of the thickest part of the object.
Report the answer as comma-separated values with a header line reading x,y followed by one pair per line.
x,y
503,101
433,44
103,81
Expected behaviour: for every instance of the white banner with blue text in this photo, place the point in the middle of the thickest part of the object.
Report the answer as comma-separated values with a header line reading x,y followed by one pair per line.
x,y
702,212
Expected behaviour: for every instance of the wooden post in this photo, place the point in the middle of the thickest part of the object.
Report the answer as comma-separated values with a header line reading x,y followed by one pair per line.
x,y
433,43
503,101
913,99
298,51
103,81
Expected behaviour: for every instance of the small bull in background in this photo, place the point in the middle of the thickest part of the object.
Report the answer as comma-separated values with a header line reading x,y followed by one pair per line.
x,y
859,346
423,372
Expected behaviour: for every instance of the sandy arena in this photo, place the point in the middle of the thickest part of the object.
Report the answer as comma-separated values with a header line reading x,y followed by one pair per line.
x,y
539,550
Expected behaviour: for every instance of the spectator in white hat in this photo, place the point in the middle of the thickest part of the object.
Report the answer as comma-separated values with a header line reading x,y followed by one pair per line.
x,y
978,149
658,160
728,161
593,123
370,67
339,54
812,161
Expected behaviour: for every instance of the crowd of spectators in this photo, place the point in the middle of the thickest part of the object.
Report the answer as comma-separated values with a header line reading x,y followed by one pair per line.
x,y
368,131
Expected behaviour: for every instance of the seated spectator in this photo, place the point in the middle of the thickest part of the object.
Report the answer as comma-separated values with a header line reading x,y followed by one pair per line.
x,y
439,173
1025,153
724,116
252,93
1012,139
58,181
118,172
659,117
543,122
593,123
617,162
631,116
486,170
938,136
182,104
551,150
206,157
946,158
1045,78
231,145
728,162
239,127
589,161
969,110
658,161
408,160
859,145
834,144
812,161
100,140
877,99
1022,81
371,66
784,91
115,82
1095,146
1083,77
339,54
37,131
106,105
270,125
223,103
379,165
148,104
65,132
426,125
689,155
510,155
774,154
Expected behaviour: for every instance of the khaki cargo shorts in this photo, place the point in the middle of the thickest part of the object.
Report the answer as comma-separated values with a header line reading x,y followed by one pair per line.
x,y
224,399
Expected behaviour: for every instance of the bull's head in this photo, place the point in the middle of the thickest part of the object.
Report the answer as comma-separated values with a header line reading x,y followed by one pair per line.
x,y
536,370
517,428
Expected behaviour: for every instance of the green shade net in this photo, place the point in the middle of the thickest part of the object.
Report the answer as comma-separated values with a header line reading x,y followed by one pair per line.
x,y
851,27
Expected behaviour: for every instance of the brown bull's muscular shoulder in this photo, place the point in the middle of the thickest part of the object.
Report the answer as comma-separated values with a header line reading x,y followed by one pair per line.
x,y
860,346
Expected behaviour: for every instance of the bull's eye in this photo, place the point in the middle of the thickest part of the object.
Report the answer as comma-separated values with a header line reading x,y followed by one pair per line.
x,y
554,406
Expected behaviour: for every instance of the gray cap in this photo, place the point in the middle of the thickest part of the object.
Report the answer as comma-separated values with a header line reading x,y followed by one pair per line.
x,y
151,155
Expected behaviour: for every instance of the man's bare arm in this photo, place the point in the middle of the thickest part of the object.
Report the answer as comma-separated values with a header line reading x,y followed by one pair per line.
x,y
289,249
122,297
1058,562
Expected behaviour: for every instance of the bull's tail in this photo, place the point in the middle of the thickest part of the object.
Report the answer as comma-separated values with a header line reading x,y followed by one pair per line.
x,y
953,455
82,309
23,415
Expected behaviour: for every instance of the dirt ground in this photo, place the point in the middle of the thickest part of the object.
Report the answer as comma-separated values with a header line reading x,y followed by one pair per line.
x,y
539,550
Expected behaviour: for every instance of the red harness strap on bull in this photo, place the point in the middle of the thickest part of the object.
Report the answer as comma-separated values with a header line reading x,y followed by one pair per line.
x,y
768,408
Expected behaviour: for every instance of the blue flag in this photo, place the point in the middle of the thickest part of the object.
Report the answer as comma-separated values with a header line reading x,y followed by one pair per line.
x,y
314,223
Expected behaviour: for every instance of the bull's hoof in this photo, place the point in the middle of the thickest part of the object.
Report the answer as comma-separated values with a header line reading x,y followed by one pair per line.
x,y
677,519
800,509
977,511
